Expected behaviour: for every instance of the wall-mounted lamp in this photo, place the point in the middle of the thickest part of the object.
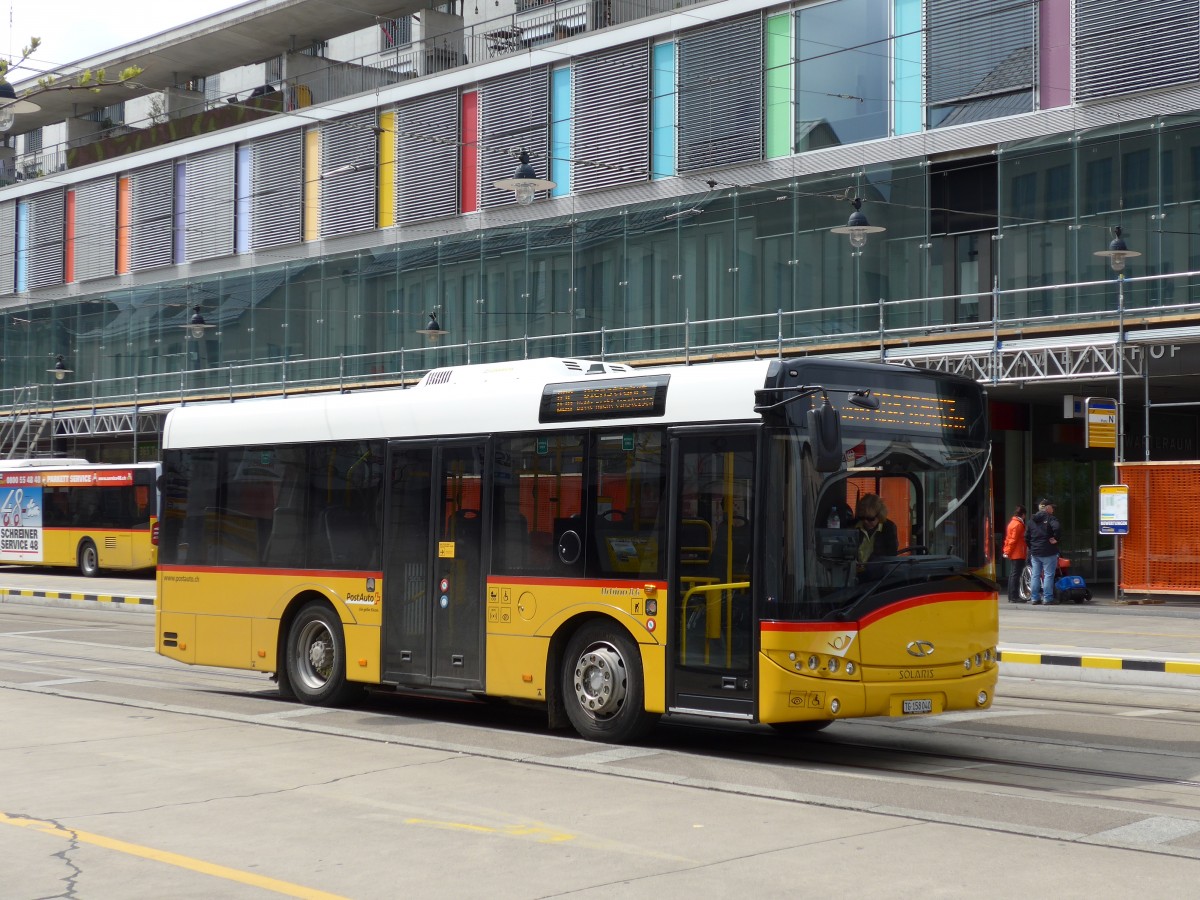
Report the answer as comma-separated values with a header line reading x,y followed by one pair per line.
x,y
196,326
10,106
1118,251
433,329
59,370
857,227
525,182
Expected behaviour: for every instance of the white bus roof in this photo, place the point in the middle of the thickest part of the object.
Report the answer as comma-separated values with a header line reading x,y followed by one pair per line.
x,y
476,399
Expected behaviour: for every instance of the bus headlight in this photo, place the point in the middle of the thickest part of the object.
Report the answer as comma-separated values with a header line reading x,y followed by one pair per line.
x,y
978,660
982,698
835,705
833,664
814,662
967,664
849,668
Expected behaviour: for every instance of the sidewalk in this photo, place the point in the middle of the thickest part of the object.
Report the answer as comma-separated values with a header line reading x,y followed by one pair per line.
x,y
1103,641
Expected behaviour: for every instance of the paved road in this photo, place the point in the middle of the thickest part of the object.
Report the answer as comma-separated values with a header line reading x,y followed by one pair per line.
x,y
126,775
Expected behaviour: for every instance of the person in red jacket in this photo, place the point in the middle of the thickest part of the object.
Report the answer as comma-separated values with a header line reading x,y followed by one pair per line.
x,y
1015,551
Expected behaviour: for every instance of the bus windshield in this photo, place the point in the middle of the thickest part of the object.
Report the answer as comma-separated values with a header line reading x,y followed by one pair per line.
x,y
904,509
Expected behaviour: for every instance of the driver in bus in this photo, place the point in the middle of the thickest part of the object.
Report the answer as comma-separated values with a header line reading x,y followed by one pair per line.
x,y
877,533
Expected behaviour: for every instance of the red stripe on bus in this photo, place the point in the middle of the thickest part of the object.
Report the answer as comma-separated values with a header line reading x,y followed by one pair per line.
x,y
571,582
92,529
874,615
245,570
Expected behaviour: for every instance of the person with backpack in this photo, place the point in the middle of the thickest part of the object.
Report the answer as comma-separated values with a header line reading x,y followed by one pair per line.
x,y
1041,536
1015,552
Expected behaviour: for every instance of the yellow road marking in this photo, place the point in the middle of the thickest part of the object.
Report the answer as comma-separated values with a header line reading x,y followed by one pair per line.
x,y
544,835
172,859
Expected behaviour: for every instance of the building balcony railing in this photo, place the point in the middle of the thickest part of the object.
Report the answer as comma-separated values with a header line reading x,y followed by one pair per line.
x,y
1008,348
534,24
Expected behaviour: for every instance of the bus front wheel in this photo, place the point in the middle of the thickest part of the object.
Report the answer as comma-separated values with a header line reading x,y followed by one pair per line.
x,y
603,686
89,560
316,658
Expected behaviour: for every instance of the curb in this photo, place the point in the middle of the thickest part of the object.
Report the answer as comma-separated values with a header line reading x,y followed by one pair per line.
x,y
8,594
1098,669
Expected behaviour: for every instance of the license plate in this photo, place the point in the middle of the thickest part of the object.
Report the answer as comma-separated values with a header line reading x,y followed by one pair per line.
x,y
916,706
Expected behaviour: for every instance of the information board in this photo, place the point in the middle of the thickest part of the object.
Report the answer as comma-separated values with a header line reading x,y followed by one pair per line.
x,y
1114,509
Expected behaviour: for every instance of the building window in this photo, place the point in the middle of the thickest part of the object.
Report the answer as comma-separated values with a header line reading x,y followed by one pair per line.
x,y
981,60
842,73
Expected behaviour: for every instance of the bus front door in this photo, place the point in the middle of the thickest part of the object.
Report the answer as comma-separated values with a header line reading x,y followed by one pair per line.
x,y
712,618
432,578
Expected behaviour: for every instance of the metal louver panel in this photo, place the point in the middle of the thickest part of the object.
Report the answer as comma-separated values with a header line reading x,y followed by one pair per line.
x,y
277,186
427,170
720,95
349,155
95,229
46,221
210,193
151,217
612,118
8,252
1123,46
515,114
979,48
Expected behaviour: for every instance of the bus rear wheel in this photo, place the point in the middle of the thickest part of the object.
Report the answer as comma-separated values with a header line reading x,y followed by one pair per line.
x,y
603,686
89,559
316,658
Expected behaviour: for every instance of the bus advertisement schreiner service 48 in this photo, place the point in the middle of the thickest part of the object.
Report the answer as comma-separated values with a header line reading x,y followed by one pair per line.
x,y
70,512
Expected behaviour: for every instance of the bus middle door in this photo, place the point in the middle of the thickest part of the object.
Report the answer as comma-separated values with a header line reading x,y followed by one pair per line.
x,y
433,551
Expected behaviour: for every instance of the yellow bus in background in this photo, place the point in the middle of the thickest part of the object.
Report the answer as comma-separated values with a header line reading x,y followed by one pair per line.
x,y
70,512
615,544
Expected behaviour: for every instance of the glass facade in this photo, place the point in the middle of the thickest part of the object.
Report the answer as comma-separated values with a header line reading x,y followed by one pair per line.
x,y
734,270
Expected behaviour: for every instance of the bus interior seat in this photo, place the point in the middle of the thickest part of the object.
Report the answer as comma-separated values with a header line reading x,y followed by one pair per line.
x,y
695,542
285,545
348,537
510,548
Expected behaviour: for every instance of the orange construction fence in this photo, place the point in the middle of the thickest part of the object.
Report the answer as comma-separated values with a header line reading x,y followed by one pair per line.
x,y
1161,553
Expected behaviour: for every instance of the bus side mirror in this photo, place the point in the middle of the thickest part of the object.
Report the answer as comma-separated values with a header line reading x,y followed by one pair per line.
x,y
825,434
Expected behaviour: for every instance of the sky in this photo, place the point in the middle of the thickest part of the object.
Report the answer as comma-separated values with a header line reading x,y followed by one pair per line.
x,y
76,29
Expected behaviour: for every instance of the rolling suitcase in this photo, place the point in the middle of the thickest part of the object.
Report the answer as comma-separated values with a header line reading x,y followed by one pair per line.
x,y
1071,589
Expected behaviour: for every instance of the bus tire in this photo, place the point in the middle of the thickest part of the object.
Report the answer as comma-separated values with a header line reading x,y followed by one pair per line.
x,y
89,559
316,658
800,730
603,686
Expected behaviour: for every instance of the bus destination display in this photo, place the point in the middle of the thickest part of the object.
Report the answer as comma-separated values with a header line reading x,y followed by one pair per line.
x,y
604,399
909,412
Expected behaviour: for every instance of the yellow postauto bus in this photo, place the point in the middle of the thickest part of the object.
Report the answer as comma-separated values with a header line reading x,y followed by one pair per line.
x,y
617,544
70,512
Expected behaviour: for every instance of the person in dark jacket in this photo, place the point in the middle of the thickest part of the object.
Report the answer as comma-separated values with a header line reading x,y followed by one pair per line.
x,y
1042,534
